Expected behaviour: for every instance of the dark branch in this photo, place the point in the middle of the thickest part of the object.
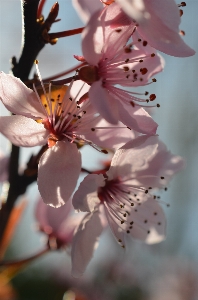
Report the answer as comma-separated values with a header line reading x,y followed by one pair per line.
x,y
32,42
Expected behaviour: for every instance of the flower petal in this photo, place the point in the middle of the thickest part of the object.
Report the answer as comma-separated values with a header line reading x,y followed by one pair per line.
x,y
133,156
56,221
68,227
161,168
22,131
56,216
152,64
117,29
18,98
58,171
85,242
85,198
40,214
110,135
107,31
103,103
149,223
78,89
158,24
117,231
91,47
85,8
136,118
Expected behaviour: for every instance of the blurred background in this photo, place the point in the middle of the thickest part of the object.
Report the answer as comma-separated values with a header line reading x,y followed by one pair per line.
x,y
168,270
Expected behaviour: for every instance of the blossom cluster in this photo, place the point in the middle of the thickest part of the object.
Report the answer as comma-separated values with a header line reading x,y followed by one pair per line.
x,y
101,108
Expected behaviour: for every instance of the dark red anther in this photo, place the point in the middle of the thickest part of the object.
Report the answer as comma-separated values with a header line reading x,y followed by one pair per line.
x,y
143,71
152,97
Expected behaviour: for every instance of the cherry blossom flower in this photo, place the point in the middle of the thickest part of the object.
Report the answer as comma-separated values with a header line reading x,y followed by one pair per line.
x,y
57,118
124,196
113,61
57,223
157,22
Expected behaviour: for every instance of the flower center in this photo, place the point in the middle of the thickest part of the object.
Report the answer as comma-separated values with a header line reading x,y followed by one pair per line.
x,y
89,74
106,192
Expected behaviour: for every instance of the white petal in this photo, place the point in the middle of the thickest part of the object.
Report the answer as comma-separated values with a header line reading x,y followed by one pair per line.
x,y
85,242
149,222
158,24
85,8
162,164
22,131
91,46
66,230
58,172
109,135
78,89
116,229
136,118
18,98
133,156
103,104
56,216
85,198
41,214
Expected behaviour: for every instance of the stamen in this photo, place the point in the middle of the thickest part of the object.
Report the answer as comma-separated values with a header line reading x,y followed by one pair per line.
x,y
39,99
41,81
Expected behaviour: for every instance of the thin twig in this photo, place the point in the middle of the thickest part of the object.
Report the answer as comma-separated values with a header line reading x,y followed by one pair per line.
x,y
25,260
55,35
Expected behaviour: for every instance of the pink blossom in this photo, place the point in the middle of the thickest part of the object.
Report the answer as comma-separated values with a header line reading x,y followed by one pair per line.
x,y
60,165
62,123
113,61
124,195
158,22
57,223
